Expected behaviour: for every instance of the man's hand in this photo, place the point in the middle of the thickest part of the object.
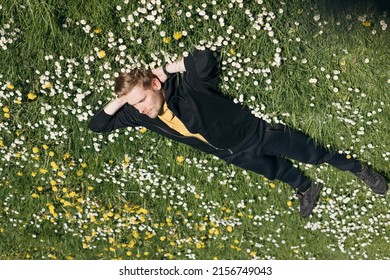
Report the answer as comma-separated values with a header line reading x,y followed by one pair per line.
x,y
174,67
115,104
160,74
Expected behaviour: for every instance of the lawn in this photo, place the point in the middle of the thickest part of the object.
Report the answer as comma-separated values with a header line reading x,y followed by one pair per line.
x,y
68,193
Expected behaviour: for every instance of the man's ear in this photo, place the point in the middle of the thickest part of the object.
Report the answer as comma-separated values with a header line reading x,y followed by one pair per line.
x,y
156,84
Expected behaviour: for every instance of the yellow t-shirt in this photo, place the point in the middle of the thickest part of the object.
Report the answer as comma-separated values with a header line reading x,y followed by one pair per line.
x,y
173,122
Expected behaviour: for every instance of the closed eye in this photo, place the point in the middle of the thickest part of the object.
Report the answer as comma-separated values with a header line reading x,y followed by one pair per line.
x,y
142,100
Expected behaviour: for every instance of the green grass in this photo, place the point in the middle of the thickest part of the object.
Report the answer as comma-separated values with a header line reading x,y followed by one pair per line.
x,y
124,195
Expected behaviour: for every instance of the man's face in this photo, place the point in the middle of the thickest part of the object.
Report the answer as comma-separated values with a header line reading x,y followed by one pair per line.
x,y
147,101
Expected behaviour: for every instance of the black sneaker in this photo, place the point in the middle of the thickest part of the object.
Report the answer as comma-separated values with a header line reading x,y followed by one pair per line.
x,y
309,199
373,179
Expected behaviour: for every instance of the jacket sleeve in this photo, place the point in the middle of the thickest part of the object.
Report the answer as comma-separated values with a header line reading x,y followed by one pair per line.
x,y
103,122
203,65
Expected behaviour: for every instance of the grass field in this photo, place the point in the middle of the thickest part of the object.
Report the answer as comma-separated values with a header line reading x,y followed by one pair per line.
x,y
68,193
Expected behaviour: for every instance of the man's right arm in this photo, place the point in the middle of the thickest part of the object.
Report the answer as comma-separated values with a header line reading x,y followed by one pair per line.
x,y
112,116
112,107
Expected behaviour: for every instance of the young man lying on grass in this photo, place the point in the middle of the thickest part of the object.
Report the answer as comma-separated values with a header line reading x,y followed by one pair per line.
x,y
182,101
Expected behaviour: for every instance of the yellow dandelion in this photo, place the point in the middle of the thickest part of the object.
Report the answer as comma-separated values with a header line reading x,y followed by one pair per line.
x,y
51,154
97,30
166,40
142,211
20,173
110,214
348,157
101,54
7,115
143,130
232,51
90,188
35,195
272,185
51,208
45,147
5,109
10,86
35,150
367,23
131,244
229,228
31,96
80,173
47,85
1,143
43,170
177,35
40,188
180,159
289,203
66,156
135,234
54,165
83,165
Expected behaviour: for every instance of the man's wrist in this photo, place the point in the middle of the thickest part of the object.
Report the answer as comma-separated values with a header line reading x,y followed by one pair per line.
x,y
164,68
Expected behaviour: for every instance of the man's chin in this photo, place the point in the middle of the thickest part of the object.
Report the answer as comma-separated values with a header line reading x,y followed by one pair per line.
x,y
153,116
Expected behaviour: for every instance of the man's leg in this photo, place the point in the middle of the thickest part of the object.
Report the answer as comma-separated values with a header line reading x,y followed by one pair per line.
x,y
274,167
287,142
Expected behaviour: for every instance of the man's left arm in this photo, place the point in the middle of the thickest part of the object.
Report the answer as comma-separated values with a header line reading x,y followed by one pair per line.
x,y
163,72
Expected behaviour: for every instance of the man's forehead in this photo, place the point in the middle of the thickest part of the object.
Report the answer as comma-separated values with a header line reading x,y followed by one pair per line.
x,y
135,95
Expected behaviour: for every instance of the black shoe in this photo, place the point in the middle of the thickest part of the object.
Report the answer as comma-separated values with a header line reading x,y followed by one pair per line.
x,y
309,199
373,179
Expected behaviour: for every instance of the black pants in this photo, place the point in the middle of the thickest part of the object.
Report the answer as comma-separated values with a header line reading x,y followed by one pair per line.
x,y
280,142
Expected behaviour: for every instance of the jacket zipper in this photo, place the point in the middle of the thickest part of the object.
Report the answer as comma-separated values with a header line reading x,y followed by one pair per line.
x,y
181,136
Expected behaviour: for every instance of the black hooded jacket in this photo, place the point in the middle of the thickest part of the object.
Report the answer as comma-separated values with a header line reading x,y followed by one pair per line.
x,y
194,97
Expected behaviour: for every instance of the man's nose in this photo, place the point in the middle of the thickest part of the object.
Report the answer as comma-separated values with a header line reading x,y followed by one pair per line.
x,y
140,108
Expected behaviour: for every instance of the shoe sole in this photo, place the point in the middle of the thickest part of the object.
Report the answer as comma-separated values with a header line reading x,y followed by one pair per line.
x,y
316,195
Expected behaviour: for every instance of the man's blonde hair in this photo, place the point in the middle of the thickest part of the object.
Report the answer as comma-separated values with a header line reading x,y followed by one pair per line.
x,y
125,82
